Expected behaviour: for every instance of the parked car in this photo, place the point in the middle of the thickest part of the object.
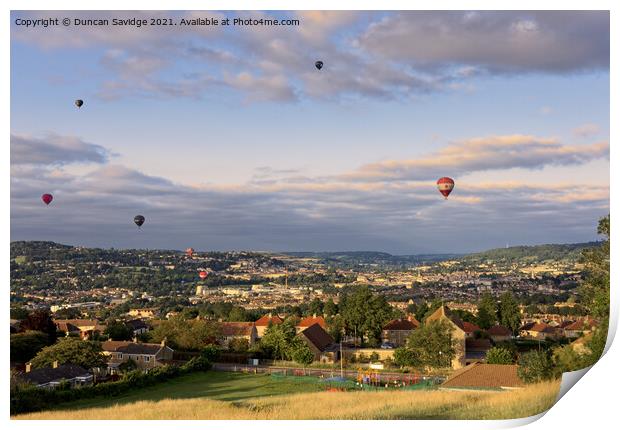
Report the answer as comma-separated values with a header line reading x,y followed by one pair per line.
x,y
387,345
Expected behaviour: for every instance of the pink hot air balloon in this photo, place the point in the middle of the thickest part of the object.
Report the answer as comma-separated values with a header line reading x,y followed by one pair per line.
x,y
47,198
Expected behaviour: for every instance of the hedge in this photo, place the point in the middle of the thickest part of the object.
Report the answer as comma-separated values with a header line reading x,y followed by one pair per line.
x,y
32,399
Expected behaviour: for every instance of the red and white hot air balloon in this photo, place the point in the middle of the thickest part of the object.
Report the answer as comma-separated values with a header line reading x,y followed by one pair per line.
x,y
202,274
47,198
445,186
189,252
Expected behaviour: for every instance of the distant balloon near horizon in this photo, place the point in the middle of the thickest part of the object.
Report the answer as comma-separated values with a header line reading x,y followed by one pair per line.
x,y
318,65
47,198
139,220
189,252
79,103
202,274
445,186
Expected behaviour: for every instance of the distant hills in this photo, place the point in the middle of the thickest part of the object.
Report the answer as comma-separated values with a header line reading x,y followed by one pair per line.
x,y
515,254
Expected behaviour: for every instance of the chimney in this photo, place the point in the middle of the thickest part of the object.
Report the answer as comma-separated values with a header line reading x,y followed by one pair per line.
x,y
269,314
55,364
163,341
135,339
28,367
313,315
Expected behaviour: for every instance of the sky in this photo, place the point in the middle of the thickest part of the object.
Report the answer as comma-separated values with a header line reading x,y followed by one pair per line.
x,y
228,138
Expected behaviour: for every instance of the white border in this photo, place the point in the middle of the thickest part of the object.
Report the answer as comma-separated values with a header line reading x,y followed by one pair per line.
x,y
592,403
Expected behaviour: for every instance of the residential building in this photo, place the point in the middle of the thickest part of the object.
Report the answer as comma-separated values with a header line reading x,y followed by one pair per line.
x,y
52,377
310,321
397,331
458,333
263,322
145,355
83,328
320,343
499,333
482,375
238,330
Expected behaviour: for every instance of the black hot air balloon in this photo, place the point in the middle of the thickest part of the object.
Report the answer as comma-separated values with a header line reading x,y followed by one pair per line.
x,y
79,103
318,65
139,220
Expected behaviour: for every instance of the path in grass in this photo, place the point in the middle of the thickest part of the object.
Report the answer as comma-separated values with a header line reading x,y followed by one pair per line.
x,y
225,386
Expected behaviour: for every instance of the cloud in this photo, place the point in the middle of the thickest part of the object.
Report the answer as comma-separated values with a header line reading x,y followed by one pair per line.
x,y
498,42
55,150
387,55
586,130
480,154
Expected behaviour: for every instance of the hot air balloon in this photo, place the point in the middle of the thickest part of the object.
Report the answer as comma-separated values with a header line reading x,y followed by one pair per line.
x,y
47,198
139,220
445,186
190,252
202,274
79,103
318,65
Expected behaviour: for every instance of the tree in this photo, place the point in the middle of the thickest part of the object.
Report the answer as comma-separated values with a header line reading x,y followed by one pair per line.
x,y
316,307
497,355
566,359
536,366
335,327
117,330
189,335
406,357
238,345
508,312
277,340
128,366
301,353
431,345
330,308
365,314
40,320
487,311
25,345
71,350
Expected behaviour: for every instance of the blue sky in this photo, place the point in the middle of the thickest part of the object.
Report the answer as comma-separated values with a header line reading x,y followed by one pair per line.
x,y
231,139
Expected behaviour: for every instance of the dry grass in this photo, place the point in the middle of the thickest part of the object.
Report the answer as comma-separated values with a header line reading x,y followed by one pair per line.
x,y
437,404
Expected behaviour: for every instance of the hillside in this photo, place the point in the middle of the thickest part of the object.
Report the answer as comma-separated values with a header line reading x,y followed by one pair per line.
x,y
434,404
528,254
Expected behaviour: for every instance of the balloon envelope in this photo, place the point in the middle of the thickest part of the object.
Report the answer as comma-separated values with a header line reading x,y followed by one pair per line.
x,y
445,186
139,220
79,103
189,251
47,198
319,65
202,274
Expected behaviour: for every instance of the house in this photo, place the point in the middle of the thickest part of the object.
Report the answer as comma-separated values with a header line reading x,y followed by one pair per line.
x,y
52,377
458,333
320,343
470,329
143,312
499,333
476,349
263,322
537,331
579,328
145,355
310,321
482,375
137,326
238,330
397,331
85,329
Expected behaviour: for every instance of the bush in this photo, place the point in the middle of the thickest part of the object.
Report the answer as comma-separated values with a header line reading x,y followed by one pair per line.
x,y
497,355
536,366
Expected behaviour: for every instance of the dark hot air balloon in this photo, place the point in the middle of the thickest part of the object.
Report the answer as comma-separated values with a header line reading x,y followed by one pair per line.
x,y
202,274
318,65
47,198
139,220
79,103
445,186
189,252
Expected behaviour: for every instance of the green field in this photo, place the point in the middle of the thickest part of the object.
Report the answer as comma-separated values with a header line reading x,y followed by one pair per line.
x,y
225,386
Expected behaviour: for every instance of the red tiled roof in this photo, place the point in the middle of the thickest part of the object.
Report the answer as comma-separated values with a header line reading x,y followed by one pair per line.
x,y
402,324
309,321
469,327
579,325
77,324
499,330
266,319
482,375
237,328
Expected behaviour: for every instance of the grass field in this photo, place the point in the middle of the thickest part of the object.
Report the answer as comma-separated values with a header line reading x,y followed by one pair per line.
x,y
214,395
